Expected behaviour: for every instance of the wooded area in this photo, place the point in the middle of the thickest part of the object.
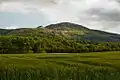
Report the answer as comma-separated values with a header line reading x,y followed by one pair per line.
x,y
18,45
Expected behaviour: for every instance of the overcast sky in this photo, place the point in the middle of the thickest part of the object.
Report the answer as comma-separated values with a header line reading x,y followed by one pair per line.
x,y
95,14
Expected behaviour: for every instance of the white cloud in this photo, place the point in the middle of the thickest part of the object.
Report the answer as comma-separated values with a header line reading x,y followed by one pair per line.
x,y
96,14
11,27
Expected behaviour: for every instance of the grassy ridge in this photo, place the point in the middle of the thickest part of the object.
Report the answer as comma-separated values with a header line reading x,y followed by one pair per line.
x,y
92,66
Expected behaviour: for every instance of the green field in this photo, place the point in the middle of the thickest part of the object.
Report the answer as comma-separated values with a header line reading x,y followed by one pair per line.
x,y
89,66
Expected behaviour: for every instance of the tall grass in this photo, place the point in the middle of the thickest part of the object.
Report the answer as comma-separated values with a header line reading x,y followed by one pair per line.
x,y
104,66
58,73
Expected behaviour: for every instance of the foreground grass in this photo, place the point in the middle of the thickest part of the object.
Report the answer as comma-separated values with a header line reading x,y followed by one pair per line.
x,y
92,66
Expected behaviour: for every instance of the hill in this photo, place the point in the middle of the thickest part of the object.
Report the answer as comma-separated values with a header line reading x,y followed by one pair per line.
x,y
57,38
66,30
79,32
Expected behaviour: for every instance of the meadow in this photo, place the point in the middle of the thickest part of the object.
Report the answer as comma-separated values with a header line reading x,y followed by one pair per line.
x,y
84,66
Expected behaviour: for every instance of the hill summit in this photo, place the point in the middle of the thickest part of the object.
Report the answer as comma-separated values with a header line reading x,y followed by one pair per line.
x,y
64,25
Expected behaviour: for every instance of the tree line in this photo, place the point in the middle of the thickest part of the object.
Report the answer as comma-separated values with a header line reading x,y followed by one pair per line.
x,y
19,45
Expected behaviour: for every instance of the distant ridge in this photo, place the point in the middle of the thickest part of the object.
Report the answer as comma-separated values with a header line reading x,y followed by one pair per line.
x,y
65,30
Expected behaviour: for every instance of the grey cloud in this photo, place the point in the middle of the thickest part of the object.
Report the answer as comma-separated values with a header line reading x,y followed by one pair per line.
x,y
110,25
113,15
104,13
107,18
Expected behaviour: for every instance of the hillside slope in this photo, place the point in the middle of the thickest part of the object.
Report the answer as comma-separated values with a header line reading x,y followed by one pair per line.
x,y
65,30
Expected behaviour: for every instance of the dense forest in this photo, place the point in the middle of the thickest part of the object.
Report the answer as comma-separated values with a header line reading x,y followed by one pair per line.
x,y
57,38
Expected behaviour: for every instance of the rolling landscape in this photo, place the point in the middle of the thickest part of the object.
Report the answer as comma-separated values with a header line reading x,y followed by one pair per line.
x,y
59,39
62,51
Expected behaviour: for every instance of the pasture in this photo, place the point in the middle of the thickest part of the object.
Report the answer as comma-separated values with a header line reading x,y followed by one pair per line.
x,y
85,66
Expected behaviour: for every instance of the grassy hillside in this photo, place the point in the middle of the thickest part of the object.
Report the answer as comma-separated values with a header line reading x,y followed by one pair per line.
x,y
65,30
92,66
